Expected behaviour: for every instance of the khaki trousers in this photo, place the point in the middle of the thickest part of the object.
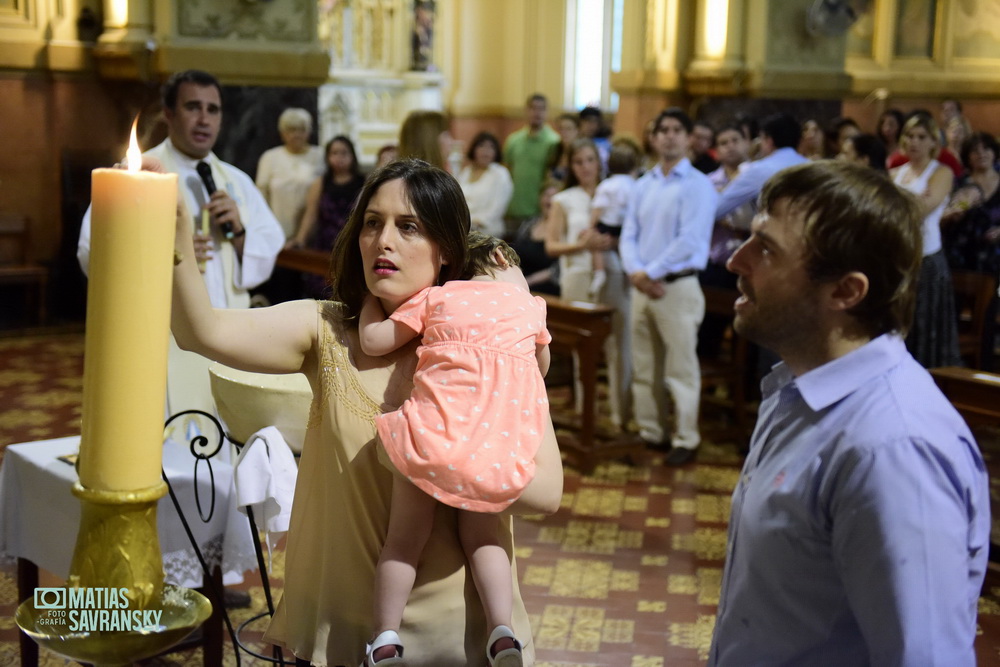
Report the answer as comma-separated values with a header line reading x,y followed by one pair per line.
x,y
665,360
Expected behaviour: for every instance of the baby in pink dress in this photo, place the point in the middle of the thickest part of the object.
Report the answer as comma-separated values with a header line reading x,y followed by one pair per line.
x,y
468,434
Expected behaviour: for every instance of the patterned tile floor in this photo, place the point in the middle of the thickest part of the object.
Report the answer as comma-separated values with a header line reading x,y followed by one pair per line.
x,y
626,574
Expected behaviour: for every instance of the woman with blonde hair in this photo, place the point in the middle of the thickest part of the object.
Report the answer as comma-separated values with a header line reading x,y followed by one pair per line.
x,y
933,337
571,238
425,136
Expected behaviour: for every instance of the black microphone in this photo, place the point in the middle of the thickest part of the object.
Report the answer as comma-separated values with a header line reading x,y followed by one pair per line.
x,y
205,171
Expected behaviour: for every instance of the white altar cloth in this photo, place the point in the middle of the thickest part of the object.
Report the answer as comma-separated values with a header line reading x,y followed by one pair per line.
x,y
40,516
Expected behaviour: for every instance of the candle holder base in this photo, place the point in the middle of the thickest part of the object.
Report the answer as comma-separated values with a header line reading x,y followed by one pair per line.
x,y
183,610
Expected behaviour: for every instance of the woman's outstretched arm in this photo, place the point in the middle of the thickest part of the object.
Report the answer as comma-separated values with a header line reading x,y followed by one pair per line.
x,y
265,340
308,221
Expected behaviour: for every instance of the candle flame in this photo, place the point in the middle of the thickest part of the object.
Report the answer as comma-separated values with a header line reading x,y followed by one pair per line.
x,y
133,156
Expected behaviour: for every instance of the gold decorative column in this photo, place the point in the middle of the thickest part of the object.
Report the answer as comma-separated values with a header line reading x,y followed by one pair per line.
x,y
123,49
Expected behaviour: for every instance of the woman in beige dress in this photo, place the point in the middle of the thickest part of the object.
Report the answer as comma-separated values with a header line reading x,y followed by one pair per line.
x,y
408,229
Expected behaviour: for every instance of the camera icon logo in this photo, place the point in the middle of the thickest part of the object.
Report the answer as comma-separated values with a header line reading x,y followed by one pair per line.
x,y
50,598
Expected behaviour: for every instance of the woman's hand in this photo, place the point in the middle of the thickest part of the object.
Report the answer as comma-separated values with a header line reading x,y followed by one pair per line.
x,y
149,163
203,247
964,198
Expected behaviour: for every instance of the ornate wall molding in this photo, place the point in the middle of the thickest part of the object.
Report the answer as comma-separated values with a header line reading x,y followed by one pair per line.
x,y
286,21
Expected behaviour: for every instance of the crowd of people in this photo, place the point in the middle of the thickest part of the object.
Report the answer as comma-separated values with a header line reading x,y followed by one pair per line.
x,y
842,277
952,168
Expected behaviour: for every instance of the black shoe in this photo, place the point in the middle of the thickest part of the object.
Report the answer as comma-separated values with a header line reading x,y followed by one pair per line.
x,y
680,456
655,446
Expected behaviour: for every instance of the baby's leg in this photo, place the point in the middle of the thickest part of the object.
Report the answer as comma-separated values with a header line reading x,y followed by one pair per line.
x,y
490,565
597,260
410,521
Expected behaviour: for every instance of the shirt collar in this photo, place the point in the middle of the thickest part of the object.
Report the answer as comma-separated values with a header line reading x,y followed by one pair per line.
x,y
822,387
680,169
187,160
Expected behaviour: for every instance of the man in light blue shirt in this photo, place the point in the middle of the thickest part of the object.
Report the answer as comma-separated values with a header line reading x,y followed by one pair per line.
x,y
859,529
664,243
779,135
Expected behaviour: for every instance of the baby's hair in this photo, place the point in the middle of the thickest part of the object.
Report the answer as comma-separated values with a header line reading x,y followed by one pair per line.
x,y
481,262
624,157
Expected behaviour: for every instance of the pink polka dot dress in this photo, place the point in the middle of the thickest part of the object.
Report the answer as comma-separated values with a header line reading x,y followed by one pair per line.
x,y
468,434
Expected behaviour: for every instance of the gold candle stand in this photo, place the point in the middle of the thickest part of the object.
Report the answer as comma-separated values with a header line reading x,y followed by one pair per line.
x,y
118,547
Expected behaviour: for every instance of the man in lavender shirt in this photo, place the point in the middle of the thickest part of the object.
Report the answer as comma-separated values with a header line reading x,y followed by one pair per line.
x,y
860,525
779,135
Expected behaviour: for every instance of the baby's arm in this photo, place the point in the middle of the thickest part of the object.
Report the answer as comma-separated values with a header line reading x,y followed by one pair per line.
x,y
379,334
544,357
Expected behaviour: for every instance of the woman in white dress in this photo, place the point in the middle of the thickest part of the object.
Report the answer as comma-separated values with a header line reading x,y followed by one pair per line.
x,y
283,177
570,237
933,337
285,172
487,185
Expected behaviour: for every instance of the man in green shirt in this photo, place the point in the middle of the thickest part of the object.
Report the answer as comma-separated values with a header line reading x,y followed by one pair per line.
x,y
527,153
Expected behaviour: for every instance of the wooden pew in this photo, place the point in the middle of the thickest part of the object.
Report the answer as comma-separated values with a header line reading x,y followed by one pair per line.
x,y
582,328
305,260
975,394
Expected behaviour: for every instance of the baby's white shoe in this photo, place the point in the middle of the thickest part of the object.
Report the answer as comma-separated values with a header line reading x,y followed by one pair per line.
x,y
509,657
384,638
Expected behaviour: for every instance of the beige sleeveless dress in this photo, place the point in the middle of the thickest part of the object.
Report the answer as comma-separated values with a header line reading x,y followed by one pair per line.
x,y
340,517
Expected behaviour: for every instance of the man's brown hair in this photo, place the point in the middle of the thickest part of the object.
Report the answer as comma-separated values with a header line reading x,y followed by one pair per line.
x,y
856,219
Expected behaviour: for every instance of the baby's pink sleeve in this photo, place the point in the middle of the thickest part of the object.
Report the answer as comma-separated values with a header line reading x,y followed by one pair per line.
x,y
543,337
413,311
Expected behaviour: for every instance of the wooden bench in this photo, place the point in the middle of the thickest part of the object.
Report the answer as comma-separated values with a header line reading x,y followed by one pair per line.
x,y
581,328
305,260
975,394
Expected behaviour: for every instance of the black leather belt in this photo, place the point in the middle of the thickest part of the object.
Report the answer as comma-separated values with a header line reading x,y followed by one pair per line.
x,y
671,277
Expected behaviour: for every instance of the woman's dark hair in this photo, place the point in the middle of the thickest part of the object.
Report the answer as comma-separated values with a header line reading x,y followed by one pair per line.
x,y
900,119
869,146
439,203
975,140
578,145
484,137
355,167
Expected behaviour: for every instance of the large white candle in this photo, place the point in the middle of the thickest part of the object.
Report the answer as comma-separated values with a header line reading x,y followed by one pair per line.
x,y
128,326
